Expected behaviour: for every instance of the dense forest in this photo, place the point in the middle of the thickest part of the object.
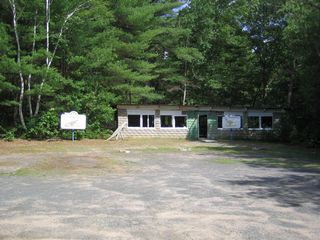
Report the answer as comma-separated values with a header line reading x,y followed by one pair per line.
x,y
90,55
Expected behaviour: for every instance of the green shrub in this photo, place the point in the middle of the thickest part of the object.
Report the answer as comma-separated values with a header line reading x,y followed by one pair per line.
x,y
44,127
67,134
98,134
95,131
9,136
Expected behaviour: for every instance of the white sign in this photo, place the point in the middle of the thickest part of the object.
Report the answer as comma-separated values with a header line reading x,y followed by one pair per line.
x,y
73,120
231,121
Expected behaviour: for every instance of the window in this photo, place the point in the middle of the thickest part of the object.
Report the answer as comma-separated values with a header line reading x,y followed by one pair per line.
x,y
180,121
147,121
144,121
253,122
151,120
173,119
260,122
220,121
166,121
266,122
133,120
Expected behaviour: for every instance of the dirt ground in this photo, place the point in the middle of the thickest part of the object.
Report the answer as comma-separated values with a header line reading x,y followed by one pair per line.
x,y
158,189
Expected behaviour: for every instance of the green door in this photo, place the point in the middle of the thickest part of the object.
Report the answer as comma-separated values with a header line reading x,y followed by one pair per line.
x,y
192,125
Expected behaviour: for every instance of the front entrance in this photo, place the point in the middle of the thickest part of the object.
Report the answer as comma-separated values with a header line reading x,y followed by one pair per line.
x,y
203,126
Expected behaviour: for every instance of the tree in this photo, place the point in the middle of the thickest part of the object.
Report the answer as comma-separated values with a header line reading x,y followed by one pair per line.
x,y
302,67
224,77
33,59
133,71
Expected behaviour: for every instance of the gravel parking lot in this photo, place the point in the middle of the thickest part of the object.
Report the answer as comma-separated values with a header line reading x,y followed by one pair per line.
x,y
162,195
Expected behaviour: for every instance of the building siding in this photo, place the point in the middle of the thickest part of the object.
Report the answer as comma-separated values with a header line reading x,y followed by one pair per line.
x,y
192,130
212,124
192,125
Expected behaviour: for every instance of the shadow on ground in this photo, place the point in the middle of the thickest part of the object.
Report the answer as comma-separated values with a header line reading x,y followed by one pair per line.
x,y
288,190
299,182
271,155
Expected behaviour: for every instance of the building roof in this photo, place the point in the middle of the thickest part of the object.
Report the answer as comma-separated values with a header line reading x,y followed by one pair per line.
x,y
194,107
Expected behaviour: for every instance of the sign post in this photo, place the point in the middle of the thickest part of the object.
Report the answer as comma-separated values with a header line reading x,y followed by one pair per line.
x,y
73,121
72,135
231,122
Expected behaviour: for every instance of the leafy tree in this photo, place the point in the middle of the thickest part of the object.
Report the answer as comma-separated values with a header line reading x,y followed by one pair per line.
x,y
302,67
224,76
134,69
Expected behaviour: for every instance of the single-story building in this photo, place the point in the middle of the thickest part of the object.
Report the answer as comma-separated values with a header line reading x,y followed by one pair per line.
x,y
194,122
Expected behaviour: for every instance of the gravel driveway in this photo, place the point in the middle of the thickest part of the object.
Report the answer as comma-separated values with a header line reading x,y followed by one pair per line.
x,y
180,195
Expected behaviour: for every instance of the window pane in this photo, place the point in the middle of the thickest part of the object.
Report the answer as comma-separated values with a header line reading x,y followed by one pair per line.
x,y
180,121
148,121
145,121
166,121
133,120
253,122
219,121
151,120
266,122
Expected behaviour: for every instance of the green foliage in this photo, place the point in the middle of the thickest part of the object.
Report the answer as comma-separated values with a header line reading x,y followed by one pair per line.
x,y
44,127
95,131
9,136
255,53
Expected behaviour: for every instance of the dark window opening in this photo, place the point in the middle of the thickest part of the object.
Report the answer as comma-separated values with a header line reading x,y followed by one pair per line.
x,y
148,121
166,121
180,121
151,120
266,122
145,121
133,120
253,122
220,121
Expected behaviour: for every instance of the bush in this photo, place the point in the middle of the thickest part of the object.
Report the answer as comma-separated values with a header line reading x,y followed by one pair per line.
x,y
9,136
67,134
44,127
94,131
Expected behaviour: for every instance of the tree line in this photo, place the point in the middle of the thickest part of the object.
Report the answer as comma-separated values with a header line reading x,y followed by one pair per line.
x,y
90,55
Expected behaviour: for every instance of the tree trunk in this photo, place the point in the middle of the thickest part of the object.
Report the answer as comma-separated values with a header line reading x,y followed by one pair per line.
x,y
47,10
49,61
32,52
185,85
184,93
291,84
14,13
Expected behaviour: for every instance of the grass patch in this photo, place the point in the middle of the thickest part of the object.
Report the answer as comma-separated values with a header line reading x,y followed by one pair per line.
x,y
228,161
221,149
71,165
261,149
270,162
159,150
26,172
